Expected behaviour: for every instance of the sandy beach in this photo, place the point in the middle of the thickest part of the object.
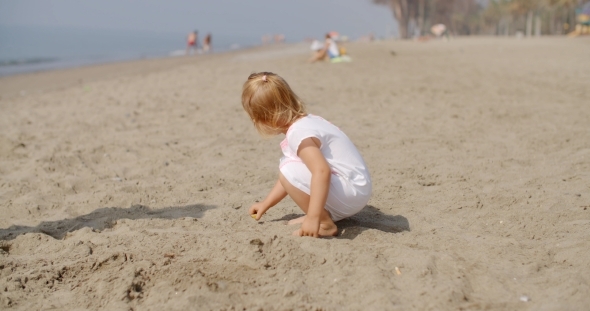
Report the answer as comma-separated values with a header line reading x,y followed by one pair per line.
x,y
126,186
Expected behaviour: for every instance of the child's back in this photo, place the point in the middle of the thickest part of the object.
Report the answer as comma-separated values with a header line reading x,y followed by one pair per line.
x,y
346,164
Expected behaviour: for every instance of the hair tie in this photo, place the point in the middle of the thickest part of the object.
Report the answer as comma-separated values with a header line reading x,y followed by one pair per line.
x,y
264,78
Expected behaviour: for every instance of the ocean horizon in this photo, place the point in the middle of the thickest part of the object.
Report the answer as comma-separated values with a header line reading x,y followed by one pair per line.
x,y
25,49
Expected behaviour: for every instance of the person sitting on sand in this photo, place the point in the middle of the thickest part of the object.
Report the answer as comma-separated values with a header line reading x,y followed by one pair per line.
x,y
330,49
321,169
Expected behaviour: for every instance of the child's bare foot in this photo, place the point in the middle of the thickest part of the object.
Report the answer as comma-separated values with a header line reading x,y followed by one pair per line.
x,y
325,230
298,220
328,229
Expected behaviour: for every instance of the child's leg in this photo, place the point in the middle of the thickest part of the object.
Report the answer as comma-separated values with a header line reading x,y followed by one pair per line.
x,y
327,226
319,55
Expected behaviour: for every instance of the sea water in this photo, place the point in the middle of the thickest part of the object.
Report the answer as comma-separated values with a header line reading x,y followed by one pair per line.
x,y
35,48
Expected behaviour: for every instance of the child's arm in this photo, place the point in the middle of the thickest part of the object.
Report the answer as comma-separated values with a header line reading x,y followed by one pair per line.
x,y
276,194
309,152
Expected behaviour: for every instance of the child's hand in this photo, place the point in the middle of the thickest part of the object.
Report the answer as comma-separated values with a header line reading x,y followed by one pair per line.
x,y
310,227
275,196
258,209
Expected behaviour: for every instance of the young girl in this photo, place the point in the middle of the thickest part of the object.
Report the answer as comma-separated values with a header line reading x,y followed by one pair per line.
x,y
321,170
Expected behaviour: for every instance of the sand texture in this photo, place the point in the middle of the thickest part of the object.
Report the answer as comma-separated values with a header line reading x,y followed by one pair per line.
x,y
126,186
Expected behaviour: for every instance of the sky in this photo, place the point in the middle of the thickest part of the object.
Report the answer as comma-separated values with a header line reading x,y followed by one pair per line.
x,y
296,19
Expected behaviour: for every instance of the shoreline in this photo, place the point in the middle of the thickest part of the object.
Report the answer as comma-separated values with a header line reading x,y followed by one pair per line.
x,y
28,83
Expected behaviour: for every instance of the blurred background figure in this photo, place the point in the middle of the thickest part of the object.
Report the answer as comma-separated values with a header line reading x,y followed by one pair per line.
x,y
439,30
191,42
328,50
207,43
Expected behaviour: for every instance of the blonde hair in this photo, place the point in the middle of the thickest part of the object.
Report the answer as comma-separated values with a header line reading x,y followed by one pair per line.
x,y
271,103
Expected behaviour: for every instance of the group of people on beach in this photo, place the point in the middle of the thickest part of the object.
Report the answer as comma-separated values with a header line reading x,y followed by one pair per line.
x,y
267,39
192,43
329,49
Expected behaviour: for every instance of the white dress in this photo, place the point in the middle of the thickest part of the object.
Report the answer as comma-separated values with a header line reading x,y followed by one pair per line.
x,y
350,183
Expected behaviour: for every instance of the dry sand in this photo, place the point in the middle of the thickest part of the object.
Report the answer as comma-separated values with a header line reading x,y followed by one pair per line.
x,y
126,186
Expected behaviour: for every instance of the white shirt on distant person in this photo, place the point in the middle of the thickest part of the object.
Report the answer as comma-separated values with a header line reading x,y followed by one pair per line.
x,y
333,50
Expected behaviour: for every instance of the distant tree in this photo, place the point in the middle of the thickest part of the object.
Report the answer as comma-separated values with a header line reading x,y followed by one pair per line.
x,y
414,17
468,17
556,15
